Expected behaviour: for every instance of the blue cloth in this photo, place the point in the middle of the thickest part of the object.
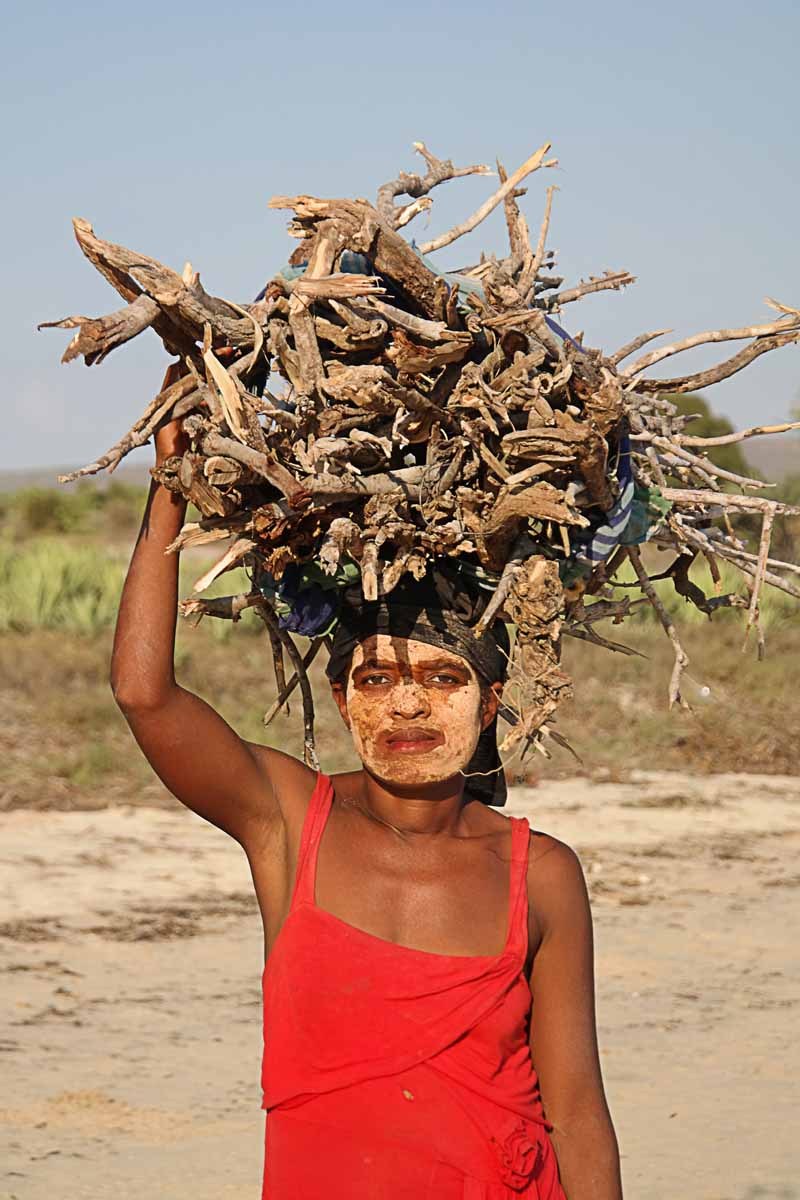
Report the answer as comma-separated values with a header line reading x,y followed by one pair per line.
x,y
312,608
596,545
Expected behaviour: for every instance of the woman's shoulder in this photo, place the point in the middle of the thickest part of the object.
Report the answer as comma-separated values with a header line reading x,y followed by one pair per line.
x,y
556,884
547,855
557,897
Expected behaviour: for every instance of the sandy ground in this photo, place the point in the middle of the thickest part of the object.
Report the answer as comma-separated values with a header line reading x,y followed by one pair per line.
x,y
129,982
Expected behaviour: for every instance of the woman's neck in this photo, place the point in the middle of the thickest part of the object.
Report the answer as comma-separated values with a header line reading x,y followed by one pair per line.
x,y
429,809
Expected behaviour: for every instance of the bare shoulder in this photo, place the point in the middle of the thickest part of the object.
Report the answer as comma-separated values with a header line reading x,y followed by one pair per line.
x,y
551,857
556,885
550,862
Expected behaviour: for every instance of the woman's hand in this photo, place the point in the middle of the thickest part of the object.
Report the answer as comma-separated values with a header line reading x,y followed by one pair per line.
x,y
170,440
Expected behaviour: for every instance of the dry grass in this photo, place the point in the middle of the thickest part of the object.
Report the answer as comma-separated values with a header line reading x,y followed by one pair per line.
x,y
64,745
619,719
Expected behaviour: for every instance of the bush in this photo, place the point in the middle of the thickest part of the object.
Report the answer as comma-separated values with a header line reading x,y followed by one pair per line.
x,y
775,606
113,509
51,584
786,536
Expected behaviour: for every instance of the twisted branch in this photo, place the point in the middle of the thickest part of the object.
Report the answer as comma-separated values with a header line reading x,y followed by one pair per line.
x,y
724,370
417,186
531,164
681,657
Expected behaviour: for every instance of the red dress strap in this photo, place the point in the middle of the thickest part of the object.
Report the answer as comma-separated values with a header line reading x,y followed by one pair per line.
x,y
518,899
316,816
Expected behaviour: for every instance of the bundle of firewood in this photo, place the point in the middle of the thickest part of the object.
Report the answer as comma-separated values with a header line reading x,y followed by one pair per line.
x,y
369,416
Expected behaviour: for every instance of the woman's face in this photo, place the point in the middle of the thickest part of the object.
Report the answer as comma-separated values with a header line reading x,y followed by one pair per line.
x,y
415,711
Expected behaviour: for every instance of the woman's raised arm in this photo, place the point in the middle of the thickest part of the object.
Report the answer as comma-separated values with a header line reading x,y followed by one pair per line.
x,y
232,783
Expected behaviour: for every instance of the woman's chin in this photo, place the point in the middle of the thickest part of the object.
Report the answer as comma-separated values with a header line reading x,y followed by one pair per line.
x,y
412,770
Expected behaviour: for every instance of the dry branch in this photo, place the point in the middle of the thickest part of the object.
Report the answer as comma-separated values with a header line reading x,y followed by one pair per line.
x,y
699,498
705,464
530,271
761,566
288,688
275,631
635,344
418,419
611,281
536,160
226,608
418,186
724,370
681,657
156,412
98,336
727,439
701,339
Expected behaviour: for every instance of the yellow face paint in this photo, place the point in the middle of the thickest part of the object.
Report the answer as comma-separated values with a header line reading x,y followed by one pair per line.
x,y
414,710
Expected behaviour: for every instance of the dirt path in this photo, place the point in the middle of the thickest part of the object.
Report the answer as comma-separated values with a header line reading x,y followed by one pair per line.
x,y
129,969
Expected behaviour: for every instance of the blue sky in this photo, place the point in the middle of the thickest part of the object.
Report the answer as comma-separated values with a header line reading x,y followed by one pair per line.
x,y
169,126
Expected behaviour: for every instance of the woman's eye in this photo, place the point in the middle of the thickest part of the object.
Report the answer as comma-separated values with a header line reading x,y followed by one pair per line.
x,y
376,680
446,678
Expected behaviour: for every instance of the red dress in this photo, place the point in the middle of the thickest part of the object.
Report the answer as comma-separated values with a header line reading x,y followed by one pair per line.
x,y
397,1074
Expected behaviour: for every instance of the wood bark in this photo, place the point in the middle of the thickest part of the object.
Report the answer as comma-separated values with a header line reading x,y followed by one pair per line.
x,y
392,418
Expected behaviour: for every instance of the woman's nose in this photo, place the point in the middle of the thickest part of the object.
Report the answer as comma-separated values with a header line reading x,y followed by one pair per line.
x,y
410,700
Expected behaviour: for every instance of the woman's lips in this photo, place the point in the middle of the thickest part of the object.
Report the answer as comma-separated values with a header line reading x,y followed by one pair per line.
x,y
412,740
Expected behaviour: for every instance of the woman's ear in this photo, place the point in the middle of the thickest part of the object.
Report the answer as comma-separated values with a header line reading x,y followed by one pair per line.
x,y
340,696
490,702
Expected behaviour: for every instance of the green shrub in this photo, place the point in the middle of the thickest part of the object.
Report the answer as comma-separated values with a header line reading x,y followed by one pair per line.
x,y
50,584
775,606
46,510
111,510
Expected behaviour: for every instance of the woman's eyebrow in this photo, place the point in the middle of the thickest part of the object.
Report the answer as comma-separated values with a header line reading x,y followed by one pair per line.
x,y
426,664
446,664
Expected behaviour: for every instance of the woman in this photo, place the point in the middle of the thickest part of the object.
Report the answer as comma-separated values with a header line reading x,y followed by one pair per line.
x,y
409,929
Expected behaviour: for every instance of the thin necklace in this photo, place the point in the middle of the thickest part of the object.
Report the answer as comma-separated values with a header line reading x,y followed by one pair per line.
x,y
372,816
402,833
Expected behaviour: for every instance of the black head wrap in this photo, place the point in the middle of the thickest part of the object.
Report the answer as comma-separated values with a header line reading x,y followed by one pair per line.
x,y
439,611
